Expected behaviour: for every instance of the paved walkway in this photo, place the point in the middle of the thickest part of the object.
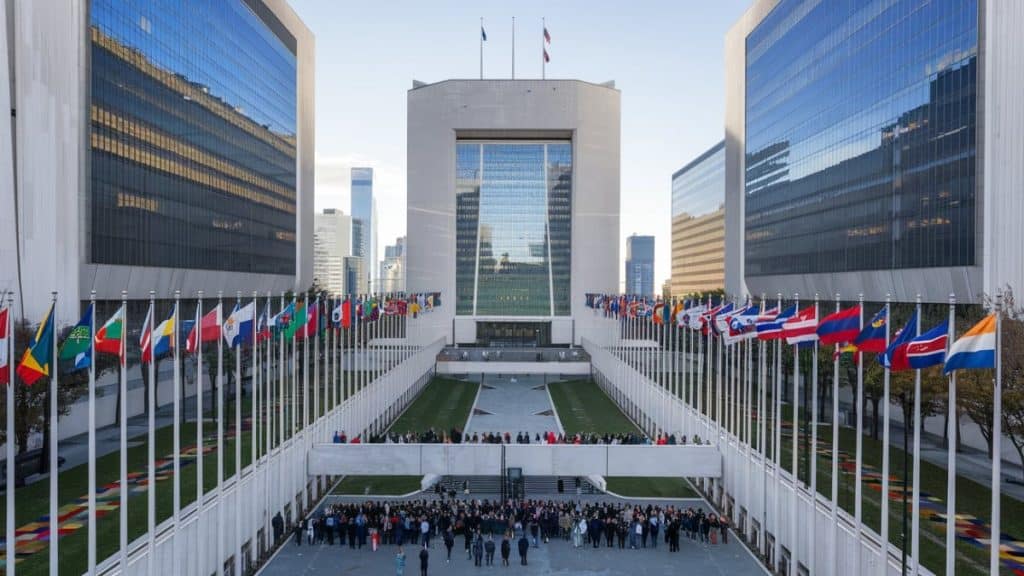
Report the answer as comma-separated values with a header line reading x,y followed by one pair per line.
x,y
557,557
513,403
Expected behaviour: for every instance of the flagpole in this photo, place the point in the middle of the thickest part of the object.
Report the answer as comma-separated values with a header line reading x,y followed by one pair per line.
x,y
200,448
883,564
997,444
238,434
513,47
915,524
305,390
952,431
793,503
11,441
176,326
777,504
835,454
151,442
54,427
268,428
220,433
813,454
123,408
857,504
92,446
762,407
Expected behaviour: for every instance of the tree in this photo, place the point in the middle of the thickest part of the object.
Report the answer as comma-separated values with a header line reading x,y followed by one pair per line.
x,y
1013,374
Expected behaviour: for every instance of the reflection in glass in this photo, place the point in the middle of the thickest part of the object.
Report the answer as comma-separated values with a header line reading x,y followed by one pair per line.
x,y
513,228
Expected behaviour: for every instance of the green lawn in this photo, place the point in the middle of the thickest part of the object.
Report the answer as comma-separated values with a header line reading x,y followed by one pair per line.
x,y
443,404
378,485
584,408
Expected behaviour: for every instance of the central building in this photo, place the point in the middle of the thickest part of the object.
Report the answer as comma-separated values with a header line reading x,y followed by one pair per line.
x,y
513,207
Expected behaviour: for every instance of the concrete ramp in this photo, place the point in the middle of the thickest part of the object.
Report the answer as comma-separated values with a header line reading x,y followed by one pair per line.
x,y
535,460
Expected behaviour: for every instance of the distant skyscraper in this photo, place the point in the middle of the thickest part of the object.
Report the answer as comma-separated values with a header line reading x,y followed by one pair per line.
x,y
640,265
332,242
353,270
392,267
364,226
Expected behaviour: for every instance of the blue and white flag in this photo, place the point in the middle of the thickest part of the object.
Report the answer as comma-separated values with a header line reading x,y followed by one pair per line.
x,y
238,326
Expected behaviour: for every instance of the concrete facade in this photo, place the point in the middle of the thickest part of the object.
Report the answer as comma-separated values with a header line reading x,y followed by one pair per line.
x,y
332,242
45,171
439,114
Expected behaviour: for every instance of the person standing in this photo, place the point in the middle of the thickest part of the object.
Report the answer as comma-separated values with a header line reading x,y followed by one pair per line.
x,y
506,550
489,548
425,532
449,542
524,547
654,530
424,560
400,562
478,550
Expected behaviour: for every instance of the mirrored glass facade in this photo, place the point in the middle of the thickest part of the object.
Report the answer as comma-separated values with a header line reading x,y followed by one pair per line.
x,y
513,228
193,127
861,136
698,224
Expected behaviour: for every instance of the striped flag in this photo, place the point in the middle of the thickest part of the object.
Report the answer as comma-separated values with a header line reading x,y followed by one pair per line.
x,y
929,349
976,348
4,344
802,327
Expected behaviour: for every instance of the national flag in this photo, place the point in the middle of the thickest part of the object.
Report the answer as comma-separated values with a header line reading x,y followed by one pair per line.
x,y
839,327
771,326
263,325
976,348
238,325
713,318
690,317
547,58
658,316
872,336
78,345
165,336
723,321
108,338
547,36
929,349
483,34
283,319
346,314
742,325
210,327
895,357
4,343
801,327
145,341
35,363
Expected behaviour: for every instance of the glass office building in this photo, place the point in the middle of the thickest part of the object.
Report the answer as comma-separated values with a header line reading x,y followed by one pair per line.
x,y
513,228
364,226
640,265
193,136
698,224
861,137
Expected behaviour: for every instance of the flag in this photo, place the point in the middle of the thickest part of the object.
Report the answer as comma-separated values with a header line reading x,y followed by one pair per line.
x,y
742,325
720,311
238,326
165,337
35,363
724,321
872,336
4,343
895,357
263,326
346,314
338,313
838,327
976,348
283,319
310,322
483,34
77,346
145,343
769,327
690,318
658,316
801,327
210,325
546,57
547,36
929,349
108,337
297,320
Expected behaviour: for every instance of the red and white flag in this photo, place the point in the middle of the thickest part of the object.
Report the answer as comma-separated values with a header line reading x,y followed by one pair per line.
x,y
4,343
802,327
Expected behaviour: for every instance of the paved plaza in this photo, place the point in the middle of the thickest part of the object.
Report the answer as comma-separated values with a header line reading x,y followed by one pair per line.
x,y
513,403
557,557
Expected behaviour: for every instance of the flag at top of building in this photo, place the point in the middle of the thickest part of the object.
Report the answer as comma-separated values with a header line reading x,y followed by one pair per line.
x,y
929,349
976,348
78,345
238,326
802,327
35,363
839,327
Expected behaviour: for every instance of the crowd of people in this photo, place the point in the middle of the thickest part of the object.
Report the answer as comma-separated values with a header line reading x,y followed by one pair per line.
x,y
456,436
484,528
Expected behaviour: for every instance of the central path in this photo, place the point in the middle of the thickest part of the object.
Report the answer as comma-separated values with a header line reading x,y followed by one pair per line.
x,y
513,403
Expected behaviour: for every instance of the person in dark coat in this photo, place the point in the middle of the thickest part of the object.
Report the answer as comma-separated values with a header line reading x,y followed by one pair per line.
x,y
424,560
506,550
489,549
449,542
298,533
478,550
524,547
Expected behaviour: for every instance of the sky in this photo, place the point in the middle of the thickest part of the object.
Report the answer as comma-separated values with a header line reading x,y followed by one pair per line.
x,y
665,56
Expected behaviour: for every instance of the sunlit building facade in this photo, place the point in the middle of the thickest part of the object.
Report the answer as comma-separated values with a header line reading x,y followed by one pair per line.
x,y
168,169
513,206
859,149
698,224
